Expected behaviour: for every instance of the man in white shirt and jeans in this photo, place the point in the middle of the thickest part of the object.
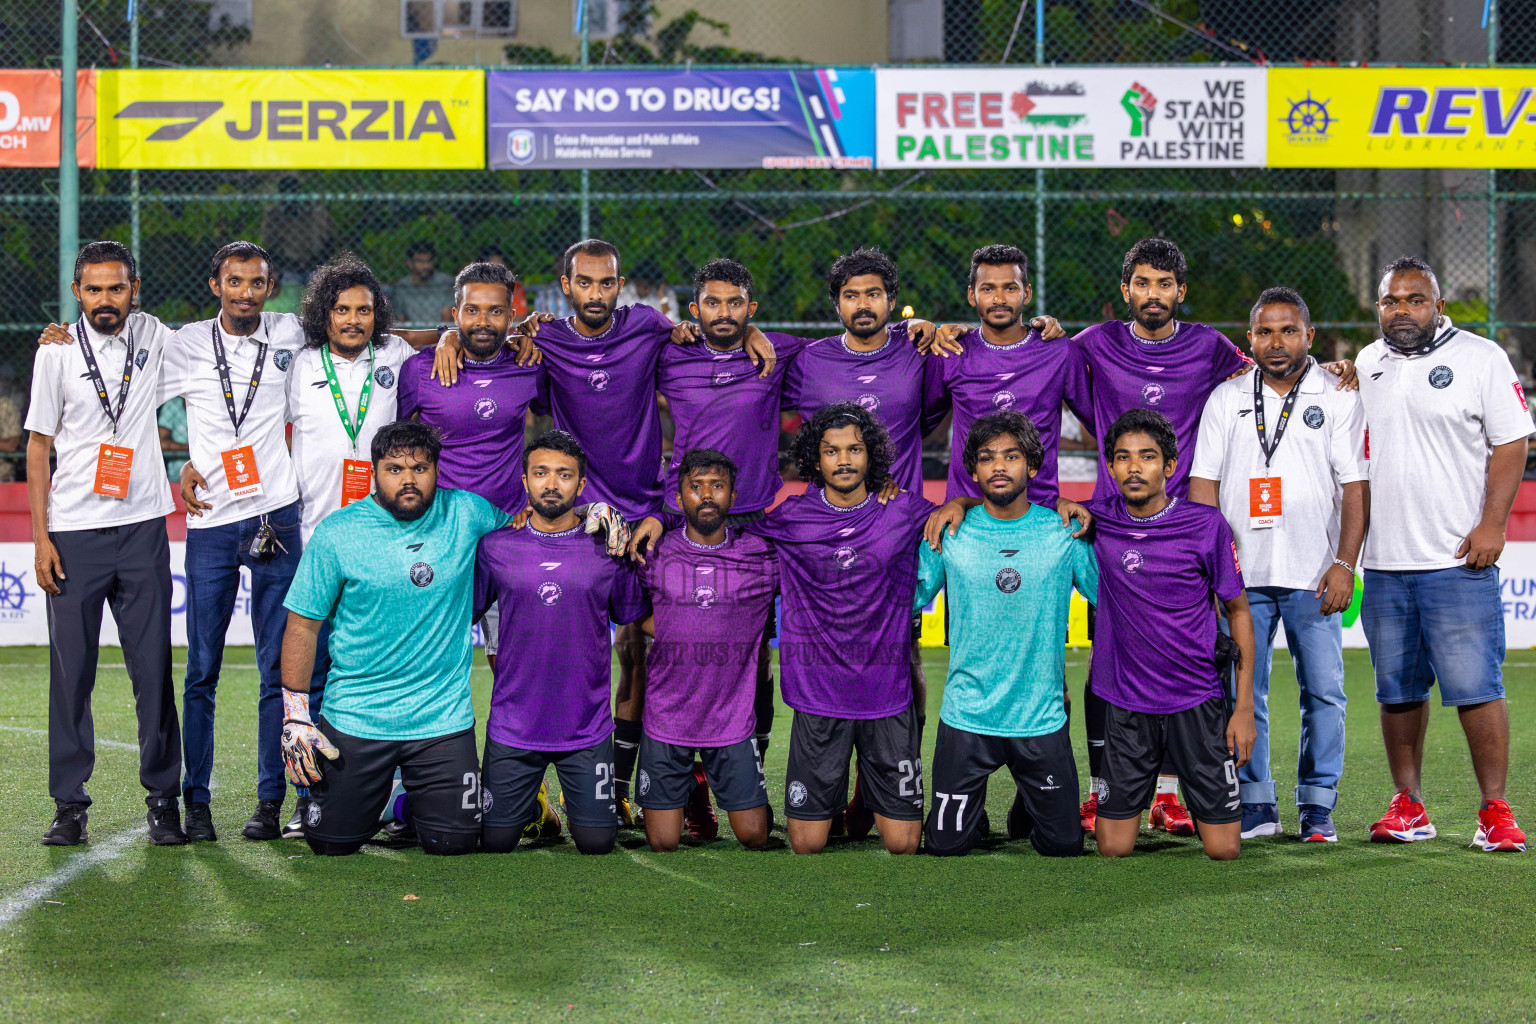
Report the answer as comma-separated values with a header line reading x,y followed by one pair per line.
x,y
1281,453
1447,445
98,523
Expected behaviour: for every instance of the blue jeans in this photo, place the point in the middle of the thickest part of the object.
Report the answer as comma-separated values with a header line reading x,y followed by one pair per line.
x,y
1444,625
214,557
1316,643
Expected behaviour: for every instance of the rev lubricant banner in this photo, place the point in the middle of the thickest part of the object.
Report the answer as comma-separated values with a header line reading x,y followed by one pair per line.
x,y
294,118
1053,117
702,119
1402,117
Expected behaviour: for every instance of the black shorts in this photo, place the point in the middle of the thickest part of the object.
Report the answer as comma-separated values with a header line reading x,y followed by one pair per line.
x,y
735,773
1193,743
1043,769
439,774
890,764
513,776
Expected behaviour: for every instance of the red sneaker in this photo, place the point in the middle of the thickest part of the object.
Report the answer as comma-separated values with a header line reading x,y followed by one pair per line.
x,y
1170,816
698,815
1496,829
1089,812
1405,822
860,818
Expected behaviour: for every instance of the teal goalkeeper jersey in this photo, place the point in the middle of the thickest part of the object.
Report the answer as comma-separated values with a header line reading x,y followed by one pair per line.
x,y
1007,587
398,597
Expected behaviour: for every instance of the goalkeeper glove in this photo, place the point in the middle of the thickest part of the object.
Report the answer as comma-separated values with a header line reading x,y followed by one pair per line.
x,y
301,739
602,516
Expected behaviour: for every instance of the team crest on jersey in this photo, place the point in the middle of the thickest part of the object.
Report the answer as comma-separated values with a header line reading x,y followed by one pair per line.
x,y
549,592
384,377
1153,394
869,402
421,574
281,359
485,408
1007,580
312,816
1441,376
1132,561
1313,417
704,595
599,380
645,782
142,358
1003,401
798,793
845,557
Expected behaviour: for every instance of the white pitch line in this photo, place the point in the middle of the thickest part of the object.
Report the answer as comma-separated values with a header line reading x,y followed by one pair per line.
x,y
114,744
40,890
638,859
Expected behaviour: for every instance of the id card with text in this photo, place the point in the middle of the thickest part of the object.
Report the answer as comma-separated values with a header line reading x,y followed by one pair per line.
x,y
114,465
240,472
356,480
1264,509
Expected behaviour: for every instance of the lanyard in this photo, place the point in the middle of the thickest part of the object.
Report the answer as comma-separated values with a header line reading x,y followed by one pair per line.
x,y
99,382
340,399
222,362
1285,411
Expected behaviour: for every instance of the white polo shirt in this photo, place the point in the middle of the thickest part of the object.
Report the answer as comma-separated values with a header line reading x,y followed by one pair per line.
x,y
190,371
320,442
66,407
1434,419
1321,450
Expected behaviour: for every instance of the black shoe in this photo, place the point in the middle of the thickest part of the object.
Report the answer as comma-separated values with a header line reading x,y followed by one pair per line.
x,y
295,827
1020,822
68,828
165,825
263,823
200,823
984,824
397,831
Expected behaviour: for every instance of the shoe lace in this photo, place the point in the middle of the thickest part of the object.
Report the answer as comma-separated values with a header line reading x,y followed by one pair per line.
x,y
1175,812
1404,805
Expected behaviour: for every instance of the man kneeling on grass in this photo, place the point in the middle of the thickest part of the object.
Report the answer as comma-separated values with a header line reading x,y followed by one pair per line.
x,y
394,576
1155,654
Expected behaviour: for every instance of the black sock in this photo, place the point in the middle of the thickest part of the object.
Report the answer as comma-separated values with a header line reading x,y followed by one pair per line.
x,y
626,750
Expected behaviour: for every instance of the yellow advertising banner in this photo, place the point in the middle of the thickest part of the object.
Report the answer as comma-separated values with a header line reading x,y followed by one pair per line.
x,y
202,119
1402,117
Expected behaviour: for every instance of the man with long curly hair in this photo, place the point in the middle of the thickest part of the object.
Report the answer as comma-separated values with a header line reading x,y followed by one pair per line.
x,y
848,571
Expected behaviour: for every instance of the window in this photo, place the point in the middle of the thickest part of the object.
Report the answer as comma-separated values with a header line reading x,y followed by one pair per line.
x,y
608,18
433,19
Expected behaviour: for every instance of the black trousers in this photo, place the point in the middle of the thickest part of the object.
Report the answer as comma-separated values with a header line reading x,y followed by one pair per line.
x,y
129,569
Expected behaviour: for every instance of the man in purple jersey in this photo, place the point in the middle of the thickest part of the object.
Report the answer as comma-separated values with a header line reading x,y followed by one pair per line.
x,y
1150,361
712,590
1006,365
602,363
1161,558
848,572
482,416
558,589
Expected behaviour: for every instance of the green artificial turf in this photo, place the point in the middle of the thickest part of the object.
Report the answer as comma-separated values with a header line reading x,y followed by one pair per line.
x,y
242,931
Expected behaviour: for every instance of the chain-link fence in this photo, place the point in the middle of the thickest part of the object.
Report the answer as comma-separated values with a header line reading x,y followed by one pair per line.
x,y
1324,232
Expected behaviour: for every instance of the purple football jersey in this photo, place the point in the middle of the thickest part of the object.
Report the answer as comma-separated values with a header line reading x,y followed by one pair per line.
x,y
895,382
1032,377
557,593
710,603
482,419
603,390
848,576
1174,376
1155,641
718,401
